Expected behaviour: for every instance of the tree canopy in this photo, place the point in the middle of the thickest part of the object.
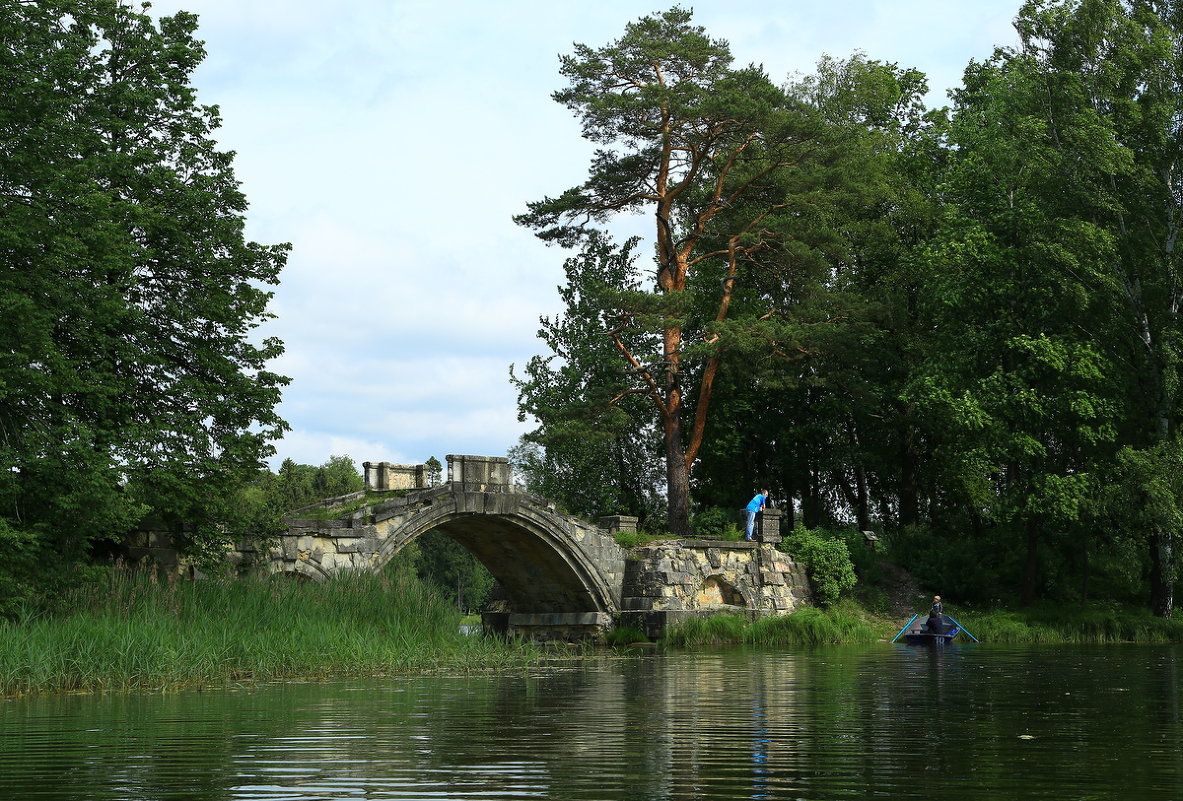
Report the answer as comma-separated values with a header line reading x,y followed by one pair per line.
x,y
731,170
132,376
959,327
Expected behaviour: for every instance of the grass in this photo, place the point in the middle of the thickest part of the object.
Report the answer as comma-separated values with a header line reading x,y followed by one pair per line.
x,y
625,635
1092,624
844,624
850,623
371,498
135,632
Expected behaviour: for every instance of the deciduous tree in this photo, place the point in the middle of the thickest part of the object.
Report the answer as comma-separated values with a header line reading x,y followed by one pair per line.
x,y
129,295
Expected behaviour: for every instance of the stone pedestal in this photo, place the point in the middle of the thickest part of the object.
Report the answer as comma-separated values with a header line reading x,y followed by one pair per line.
x,y
480,473
768,526
386,476
614,523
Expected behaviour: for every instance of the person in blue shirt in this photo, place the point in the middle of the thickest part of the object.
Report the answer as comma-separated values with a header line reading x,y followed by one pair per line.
x,y
754,506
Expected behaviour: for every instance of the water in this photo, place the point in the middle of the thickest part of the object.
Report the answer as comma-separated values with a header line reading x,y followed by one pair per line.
x,y
885,722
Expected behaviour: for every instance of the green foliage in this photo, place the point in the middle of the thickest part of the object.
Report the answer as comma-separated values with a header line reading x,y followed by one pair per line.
x,y
439,562
842,625
453,571
132,381
594,449
301,484
974,569
716,523
827,561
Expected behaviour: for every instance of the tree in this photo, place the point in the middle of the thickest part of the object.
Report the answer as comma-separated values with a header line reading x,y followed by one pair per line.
x,y
338,476
686,138
299,485
130,374
820,421
435,471
1054,292
596,440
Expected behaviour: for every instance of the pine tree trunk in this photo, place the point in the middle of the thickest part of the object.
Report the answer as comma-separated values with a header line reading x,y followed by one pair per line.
x,y
1162,585
677,483
1031,567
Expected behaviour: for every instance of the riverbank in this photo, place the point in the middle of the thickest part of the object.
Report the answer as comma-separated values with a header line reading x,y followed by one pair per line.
x,y
850,623
135,632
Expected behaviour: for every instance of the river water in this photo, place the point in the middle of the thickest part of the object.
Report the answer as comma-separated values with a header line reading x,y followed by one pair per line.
x,y
887,722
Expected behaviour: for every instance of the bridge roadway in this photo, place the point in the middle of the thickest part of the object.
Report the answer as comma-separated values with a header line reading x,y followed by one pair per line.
x,y
563,577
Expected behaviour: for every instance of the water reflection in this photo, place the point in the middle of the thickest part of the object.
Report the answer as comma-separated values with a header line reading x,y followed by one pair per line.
x,y
970,722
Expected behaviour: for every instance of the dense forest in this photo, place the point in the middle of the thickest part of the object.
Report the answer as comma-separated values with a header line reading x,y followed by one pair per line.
x,y
957,326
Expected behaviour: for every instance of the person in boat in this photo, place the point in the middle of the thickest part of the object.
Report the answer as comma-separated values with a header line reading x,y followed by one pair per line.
x,y
936,612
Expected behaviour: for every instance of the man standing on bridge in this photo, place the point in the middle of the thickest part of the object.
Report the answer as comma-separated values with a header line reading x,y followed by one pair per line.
x,y
754,506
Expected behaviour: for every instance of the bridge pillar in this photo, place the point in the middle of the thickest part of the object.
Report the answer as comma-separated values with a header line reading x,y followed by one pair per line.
x,y
614,523
768,529
479,473
387,476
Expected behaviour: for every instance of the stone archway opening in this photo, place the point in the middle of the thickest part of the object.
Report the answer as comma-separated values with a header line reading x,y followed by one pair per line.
x,y
544,590
717,591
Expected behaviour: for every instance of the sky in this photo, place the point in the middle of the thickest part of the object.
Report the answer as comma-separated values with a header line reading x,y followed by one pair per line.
x,y
392,141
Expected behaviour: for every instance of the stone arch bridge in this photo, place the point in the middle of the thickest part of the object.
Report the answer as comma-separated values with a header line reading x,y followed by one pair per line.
x,y
563,578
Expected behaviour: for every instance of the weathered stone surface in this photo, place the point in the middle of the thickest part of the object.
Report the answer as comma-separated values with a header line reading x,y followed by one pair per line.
x,y
557,570
700,575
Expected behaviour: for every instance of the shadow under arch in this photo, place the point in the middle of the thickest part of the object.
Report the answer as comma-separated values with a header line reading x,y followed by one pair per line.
x,y
539,566
717,591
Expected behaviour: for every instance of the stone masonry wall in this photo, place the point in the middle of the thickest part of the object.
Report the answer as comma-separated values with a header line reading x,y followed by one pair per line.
x,y
667,582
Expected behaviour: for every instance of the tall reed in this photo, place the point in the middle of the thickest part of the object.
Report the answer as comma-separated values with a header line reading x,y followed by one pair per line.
x,y
136,631
1073,624
807,626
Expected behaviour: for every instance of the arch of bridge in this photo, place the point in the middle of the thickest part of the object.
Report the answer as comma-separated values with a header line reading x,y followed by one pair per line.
x,y
542,559
547,562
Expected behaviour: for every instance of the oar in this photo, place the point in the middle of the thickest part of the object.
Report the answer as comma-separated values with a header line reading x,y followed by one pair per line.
x,y
905,628
963,628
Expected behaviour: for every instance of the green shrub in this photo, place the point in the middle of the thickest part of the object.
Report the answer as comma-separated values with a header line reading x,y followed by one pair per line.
x,y
827,560
716,523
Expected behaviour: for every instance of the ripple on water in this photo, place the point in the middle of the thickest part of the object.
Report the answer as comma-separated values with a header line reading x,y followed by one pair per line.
x,y
890,722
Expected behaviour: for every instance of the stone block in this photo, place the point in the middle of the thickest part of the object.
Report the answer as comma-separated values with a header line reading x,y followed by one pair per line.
x,y
636,604
363,545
